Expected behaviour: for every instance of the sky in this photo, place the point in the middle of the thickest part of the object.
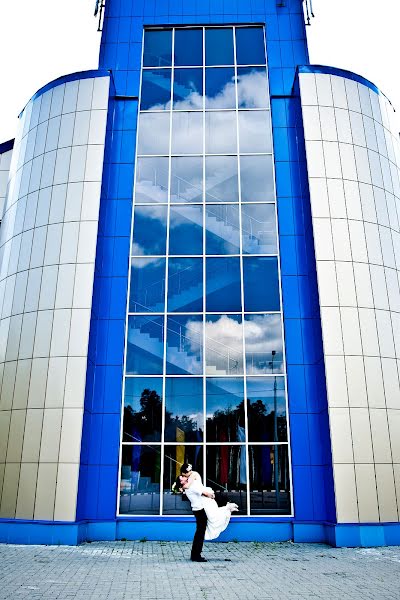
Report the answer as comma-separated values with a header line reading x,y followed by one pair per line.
x,y
60,37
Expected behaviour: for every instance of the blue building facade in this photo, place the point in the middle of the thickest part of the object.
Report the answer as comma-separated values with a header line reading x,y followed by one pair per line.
x,y
201,314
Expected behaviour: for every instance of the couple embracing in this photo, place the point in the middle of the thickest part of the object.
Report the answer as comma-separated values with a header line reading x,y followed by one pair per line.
x,y
211,519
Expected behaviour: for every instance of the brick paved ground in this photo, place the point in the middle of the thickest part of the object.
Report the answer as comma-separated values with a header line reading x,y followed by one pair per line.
x,y
161,570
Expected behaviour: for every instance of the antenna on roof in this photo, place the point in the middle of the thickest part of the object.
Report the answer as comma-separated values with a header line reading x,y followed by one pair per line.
x,y
309,11
98,10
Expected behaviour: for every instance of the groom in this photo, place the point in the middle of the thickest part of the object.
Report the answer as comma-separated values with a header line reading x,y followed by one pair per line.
x,y
194,494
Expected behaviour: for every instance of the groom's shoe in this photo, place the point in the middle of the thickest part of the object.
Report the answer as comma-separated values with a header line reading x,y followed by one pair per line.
x,y
198,559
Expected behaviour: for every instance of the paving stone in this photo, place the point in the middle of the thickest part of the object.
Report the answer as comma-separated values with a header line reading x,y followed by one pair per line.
x,y
162,571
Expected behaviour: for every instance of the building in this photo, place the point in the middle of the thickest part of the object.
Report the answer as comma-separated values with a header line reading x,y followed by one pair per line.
x,y
257,258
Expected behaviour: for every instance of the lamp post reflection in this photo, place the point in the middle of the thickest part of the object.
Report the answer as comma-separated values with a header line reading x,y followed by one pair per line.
x,y
276,468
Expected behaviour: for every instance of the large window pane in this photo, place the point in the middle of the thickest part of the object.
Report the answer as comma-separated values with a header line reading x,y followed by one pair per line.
x,y
153,137
221,179
261,284
219,46
259,229
142,409
157,48
252,87
225,410
145,346
152,180
188,47
254,131
147,285
188,89
221,132
223,284
156,89
187,133
224,345
174,457
220,88
140,480
250,46
257,179
185,284
184,409
269,480
222,229
186,230
266,409
149,230
226,473
263,344
184,345
187,179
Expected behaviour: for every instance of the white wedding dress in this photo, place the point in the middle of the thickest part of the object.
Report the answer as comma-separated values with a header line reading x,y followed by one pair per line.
x,y
218,517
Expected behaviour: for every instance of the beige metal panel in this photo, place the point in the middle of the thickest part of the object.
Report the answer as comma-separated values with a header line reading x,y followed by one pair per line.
x,y
32,435
26,491
336,380
351,331
44,325
10,490
5,418
332,330
7,389
75,380
90,200
79,336
366,493
386,493
356,383
374,379
21,388
51,433
65,285
394,428
66,492
337,202
83,286
380,435
60,334
345,493
73,203
341,439
346,284
85,94
71,432
361,435
56,382
391,383
101,87
327,285
37,386
45,491
16,436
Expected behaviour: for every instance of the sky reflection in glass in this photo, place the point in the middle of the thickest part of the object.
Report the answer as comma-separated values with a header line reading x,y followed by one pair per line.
x,y
186,230
221,132
257,182
252,87
224,345
147,285
222,229
157,48
263,344
261,284
250,46
145,345
188,47
185,284
219,46
187,133
223,284
156,89
188,89
149,230
220,88
187,179
221,179
153,136
152,179
185,345
255,131
259,229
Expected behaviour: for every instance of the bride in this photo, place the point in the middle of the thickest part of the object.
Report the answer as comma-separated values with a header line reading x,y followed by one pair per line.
x,y
218,517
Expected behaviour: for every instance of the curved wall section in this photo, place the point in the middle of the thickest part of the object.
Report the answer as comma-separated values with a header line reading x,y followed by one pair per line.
x,y
353,162
47,254
5,161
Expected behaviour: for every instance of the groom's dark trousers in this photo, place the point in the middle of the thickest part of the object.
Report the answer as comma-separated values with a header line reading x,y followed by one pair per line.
x,y
198,540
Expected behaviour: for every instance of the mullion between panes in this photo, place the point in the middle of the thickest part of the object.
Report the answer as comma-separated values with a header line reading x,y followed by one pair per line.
x,y
162,462
128,301
241,281
204,264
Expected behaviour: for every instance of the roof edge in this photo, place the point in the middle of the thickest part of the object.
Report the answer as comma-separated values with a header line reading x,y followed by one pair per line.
x,y
6,146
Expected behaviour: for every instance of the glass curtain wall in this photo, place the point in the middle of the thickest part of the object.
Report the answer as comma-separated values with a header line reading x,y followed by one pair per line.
x,y
205,372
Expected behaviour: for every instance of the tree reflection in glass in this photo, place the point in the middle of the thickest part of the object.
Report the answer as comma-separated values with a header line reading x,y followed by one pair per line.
x,y
142,409
266,409
226,472
269,479
225,409
140,480
184,409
